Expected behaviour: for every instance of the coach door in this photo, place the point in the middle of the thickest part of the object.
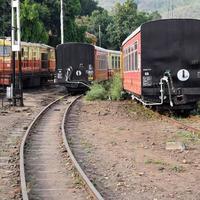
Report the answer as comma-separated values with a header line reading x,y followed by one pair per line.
x,y
44,61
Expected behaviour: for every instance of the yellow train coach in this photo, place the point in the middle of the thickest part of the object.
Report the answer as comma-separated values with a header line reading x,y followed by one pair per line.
x,y
37,61
113,62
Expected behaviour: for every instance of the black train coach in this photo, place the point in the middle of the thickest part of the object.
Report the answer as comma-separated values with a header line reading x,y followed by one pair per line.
x,y
161,63
74,65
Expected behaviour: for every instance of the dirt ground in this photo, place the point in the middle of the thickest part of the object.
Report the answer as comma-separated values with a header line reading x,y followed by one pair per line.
x,y
13,124
122,147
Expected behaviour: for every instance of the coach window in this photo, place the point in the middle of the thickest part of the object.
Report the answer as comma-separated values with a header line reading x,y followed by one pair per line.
x,y
99,61
118,62
135,56
25,54
129,60
132,59
34,55
126,59
105,62
22,53
5,51
44,60
124,64
102,62
2,51
113,62
127,63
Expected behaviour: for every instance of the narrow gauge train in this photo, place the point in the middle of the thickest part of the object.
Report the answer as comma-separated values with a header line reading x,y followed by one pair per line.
x,y
38,63
78,64
161,64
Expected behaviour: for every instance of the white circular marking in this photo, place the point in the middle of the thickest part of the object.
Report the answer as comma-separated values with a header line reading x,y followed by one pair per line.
x,y
183,75
78,73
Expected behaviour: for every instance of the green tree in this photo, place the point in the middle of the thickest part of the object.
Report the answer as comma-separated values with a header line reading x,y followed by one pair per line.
x,y
5,19
125,16
72,8
126,19
49,14
33,29
155,15
102,19
88,6
40,19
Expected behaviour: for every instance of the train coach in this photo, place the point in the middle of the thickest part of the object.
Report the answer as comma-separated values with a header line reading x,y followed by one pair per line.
x,y
79,64
161,64
37,61
113,62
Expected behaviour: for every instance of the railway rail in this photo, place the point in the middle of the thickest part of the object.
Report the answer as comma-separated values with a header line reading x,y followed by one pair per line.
x,y
87,181
42,171
183,123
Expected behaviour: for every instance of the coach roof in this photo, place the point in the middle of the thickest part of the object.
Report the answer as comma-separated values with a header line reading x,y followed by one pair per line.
x,y
132,35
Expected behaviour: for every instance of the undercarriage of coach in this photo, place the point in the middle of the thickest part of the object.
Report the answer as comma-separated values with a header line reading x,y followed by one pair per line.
x,y
76,79
167,95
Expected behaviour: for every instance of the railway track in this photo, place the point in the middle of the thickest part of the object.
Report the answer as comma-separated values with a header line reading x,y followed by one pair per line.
x,y
187,123
43,172
87,181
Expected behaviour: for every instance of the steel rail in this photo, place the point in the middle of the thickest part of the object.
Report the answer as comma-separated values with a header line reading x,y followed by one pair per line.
x,y
181,124
22,169
82,174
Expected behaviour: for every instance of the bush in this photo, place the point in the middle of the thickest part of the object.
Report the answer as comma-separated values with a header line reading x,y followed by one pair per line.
x,y
101,91
97,92
116,87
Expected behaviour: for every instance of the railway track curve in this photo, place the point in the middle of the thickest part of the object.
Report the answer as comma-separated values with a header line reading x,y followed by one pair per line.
x,y
87,181
42,172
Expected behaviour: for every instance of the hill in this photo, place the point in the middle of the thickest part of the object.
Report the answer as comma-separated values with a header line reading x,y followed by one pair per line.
x,y
179,8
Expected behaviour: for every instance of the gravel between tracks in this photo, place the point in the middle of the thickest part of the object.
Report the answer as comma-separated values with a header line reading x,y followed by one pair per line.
x,y
121,146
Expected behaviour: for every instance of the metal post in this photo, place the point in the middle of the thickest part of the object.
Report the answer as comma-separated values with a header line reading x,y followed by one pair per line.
x,y
13,84
16,33
61,22
20,79
16,47
100,35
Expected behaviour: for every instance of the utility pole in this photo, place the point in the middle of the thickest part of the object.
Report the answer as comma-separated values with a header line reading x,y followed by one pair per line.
x,y
100,35
61,22
16,47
